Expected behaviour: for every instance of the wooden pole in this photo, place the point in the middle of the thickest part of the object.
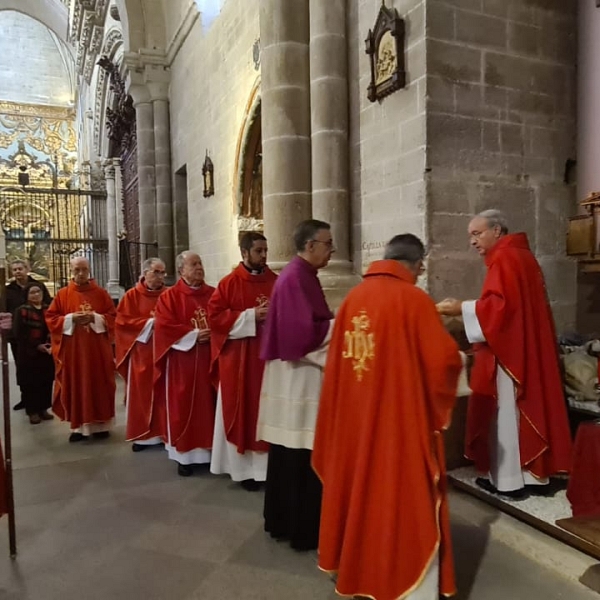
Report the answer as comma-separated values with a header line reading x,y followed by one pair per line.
x,y
10,500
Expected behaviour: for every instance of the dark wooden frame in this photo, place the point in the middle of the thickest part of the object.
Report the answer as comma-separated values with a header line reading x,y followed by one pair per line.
x,y
208,177
388,21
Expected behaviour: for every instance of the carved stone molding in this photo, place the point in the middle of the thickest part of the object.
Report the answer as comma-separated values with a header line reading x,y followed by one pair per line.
x,y
87,33
120,120
250,224
112,39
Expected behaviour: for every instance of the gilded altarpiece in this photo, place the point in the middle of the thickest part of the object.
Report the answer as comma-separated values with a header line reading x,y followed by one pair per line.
x,y
46,221
39,141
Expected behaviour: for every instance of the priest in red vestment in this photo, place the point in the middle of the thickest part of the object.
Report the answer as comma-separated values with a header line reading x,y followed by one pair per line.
x,y
81,321
517,426
236,315
388,393
182,359
134,349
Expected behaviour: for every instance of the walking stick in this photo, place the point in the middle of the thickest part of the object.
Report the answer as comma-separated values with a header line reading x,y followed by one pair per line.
x,y
10,500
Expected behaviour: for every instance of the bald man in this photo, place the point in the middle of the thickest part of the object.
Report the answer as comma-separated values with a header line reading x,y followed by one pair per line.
x,y
182,358
81,322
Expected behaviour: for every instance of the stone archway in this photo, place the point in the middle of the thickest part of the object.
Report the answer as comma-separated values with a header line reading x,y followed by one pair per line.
x,y
249,196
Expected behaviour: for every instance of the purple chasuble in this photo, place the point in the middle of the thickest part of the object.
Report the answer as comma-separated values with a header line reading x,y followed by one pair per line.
x,y
298,317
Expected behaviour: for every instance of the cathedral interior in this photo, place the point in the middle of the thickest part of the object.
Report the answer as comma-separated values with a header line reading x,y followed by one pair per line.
x,y
139,128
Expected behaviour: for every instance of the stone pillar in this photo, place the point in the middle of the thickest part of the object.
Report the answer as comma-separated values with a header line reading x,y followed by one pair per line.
x,y
284,34
111,230
144,118
329,138
588,100
162,154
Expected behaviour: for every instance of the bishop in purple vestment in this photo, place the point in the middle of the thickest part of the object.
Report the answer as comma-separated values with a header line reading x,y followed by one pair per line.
x,y
294,347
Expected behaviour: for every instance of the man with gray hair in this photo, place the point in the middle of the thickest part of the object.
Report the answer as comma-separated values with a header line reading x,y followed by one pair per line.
x,y
182,358
517,425
134,349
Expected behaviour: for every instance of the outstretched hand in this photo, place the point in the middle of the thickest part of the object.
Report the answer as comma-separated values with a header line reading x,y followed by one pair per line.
x,y
450,307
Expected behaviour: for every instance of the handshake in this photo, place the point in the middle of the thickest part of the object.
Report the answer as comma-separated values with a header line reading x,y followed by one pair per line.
x,y
450,307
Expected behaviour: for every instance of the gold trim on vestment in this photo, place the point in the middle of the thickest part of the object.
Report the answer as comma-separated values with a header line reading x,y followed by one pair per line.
x,y
436,550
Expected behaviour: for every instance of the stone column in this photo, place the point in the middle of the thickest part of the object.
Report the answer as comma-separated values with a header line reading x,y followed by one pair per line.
x,y
111,230
329,137
162,154
144,118
588,100
284,34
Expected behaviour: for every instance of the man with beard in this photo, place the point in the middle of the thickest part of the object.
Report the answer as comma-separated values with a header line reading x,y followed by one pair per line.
x,y
236,315
134,348
182,359
81,322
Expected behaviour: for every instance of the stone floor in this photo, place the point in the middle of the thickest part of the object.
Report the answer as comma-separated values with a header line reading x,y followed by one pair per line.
x,y
97,521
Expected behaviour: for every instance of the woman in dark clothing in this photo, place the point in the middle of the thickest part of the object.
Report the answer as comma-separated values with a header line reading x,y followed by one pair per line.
x,y
35,366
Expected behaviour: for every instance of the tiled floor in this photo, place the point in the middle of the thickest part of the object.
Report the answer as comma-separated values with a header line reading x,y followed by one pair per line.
x,y
96,521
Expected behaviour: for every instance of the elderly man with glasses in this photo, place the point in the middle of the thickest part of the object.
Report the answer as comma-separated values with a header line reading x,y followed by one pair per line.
x,y
134,348
517,426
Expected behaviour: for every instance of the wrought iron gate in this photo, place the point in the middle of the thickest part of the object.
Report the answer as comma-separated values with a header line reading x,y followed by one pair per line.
x,y
48,227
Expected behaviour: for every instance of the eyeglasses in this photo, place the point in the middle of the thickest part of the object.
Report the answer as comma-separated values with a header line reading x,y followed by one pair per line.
x,y
477,234
328,243
158,273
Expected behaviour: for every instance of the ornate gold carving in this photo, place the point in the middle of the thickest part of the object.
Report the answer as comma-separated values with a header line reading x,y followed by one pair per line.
x,y
359,344
200,320
47,130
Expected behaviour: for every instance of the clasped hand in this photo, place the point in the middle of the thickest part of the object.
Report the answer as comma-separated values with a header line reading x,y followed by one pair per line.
x,y
261,313
83,318
203,336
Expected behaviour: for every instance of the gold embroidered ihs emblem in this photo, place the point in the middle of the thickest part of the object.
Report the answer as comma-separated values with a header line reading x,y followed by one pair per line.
x,y
359,344
199,320
86,307
262,301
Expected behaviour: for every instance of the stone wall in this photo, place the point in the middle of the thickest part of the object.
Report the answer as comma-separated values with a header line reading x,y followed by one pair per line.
x,y
500,128
387,139
212,78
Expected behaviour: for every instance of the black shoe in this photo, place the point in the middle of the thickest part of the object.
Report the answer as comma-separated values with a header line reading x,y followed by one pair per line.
x,y
250,485
184,470
77,437
19,406
101,435
488,486
138,447
540,490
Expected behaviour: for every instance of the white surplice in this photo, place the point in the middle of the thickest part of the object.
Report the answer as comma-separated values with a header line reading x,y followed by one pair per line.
x,y
225,457
289,398
505,458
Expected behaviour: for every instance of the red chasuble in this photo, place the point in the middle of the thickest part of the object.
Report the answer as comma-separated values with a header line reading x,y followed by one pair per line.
x,y
388,392
239,364
146,410
517,323
191,396
84,381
